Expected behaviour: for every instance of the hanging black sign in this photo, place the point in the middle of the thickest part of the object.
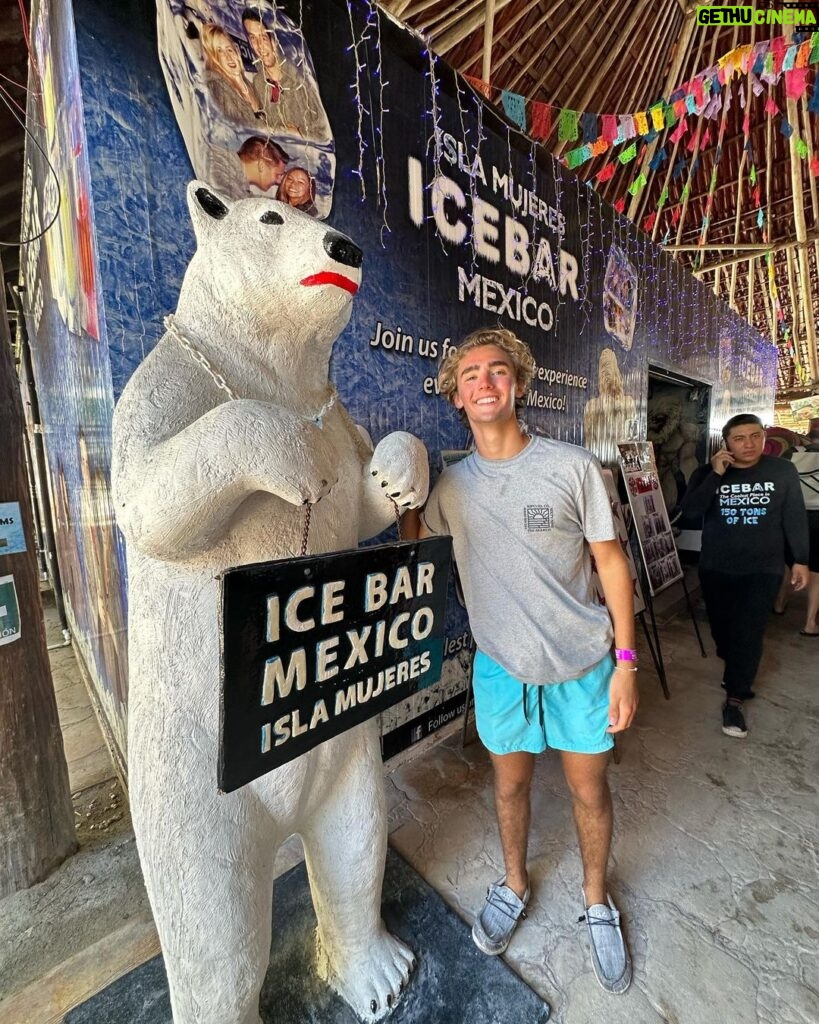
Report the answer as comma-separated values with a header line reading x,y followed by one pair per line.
x,y
313,646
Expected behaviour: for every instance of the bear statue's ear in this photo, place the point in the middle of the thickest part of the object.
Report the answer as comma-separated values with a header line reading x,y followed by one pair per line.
x,y
206,207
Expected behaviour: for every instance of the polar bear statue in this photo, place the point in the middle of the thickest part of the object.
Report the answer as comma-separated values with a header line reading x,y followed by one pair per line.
x,y
224,436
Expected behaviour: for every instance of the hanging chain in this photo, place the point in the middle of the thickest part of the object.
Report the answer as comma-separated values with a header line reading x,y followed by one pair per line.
x,y
305,533
397,517
196,355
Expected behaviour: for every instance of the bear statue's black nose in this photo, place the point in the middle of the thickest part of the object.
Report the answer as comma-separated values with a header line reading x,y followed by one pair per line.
x,y
342,250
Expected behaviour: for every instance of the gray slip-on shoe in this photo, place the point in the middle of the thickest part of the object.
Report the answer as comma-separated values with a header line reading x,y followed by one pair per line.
x,y
609,954
498,919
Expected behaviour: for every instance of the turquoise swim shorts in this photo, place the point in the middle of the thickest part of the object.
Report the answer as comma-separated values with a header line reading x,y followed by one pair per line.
x,y
572,715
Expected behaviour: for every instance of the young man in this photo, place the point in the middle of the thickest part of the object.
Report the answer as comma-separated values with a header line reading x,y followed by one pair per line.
x,y
750,504
526,514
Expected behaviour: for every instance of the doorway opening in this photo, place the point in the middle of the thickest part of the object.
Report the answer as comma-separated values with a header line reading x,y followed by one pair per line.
x,y
678,412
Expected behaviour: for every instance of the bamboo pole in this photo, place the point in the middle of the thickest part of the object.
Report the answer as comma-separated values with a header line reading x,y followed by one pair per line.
x,y
673,160
449,39
796,317
605,67
442,19
709,199
766,301
738,201
488,29
637,204
814,200
416,7
749,307
696,152
806,291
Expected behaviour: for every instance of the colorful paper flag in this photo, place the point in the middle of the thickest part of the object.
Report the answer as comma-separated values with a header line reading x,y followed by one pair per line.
x,y
576,157
606,173
589,127
657,118
609,127
620,205
541,120
628,154
786,128
627,129
514,106
679,131
796,82
484,88
641,122
650,221
779,47
567,130
789,60
639,183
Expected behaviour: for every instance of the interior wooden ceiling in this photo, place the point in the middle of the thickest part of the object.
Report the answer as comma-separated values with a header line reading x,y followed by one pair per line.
x,y
621,58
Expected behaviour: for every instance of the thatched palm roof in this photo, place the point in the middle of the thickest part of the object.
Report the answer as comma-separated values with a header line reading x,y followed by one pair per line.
x,y
622,58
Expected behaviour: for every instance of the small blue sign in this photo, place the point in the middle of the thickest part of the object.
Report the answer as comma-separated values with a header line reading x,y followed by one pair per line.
x,y
12,540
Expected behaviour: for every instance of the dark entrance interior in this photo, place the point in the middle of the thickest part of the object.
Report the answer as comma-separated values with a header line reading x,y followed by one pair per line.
x,y
678,427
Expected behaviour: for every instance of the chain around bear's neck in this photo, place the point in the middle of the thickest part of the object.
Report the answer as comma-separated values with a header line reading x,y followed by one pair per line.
x,y
198,357
184,340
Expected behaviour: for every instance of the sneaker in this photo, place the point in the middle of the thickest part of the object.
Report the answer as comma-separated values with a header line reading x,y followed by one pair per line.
x,y
609,953
497,921
733,721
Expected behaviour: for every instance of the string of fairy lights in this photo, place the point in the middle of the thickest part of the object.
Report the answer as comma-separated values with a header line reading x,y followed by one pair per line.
x,y
633,133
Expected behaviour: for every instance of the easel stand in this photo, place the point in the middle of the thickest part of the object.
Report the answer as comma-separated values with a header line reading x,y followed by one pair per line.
x,y
693,617
653,644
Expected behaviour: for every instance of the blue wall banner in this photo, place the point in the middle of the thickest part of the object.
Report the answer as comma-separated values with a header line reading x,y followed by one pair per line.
x,y
464,222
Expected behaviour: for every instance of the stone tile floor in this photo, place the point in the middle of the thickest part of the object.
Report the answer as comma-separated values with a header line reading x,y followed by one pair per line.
x,y
714,862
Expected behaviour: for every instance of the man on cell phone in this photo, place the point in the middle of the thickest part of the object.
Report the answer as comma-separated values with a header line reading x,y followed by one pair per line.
x,y
750,505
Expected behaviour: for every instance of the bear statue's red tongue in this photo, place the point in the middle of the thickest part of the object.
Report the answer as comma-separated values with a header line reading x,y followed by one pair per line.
x,y
328,277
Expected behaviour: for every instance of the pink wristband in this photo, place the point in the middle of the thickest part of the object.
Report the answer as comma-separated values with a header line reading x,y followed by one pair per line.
x,y
625,654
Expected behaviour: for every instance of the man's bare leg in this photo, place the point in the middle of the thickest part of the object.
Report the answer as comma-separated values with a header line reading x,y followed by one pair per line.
x,y
513,781
591,803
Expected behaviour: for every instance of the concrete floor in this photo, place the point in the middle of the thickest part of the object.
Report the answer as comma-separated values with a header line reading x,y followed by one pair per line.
x,y
714,863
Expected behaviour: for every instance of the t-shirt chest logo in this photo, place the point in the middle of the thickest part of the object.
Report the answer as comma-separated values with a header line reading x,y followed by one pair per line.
x,y
538,517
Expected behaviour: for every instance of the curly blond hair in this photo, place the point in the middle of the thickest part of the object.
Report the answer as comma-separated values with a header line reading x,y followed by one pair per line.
x,y
518,351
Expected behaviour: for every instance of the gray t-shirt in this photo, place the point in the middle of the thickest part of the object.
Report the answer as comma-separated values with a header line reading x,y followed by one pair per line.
x,y
519,529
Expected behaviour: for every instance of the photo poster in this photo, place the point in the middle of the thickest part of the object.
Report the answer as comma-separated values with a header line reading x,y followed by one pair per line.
x,y
618,515
654,533
243,88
